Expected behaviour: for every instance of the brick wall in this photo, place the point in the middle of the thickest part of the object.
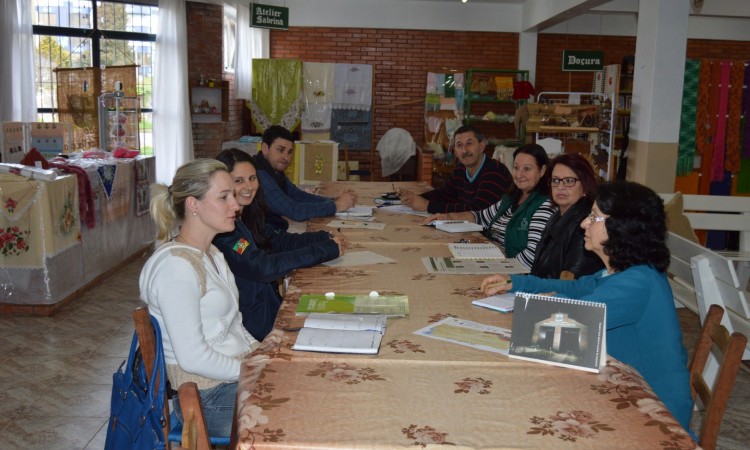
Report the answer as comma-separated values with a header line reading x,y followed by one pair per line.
x,y
549,74
739,50
204,24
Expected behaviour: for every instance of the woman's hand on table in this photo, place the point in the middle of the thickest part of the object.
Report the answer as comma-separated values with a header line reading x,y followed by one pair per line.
x,y
441,216
496,284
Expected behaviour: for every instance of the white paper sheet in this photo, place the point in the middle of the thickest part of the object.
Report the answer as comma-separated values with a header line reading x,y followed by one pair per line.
x,y
358,259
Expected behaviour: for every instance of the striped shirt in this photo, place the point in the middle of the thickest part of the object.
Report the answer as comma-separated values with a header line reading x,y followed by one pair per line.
x,y
459,194
536,227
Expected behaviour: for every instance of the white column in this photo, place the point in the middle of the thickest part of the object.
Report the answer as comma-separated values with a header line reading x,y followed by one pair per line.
x,y
527,53
657,93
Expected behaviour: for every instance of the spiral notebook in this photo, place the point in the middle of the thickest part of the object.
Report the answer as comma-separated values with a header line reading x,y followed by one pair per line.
x,y
559,331
475,251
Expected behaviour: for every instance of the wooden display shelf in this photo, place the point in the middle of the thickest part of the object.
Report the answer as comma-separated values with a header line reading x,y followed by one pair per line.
x,y
551,129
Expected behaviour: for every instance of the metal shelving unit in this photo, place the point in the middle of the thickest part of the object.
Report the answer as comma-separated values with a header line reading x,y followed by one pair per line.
x,y
601,137
479,100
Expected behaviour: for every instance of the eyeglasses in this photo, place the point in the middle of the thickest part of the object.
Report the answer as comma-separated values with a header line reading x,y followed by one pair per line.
x,y
567,181
592,218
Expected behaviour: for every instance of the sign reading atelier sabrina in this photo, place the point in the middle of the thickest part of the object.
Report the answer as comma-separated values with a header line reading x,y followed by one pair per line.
x,y
266,16
582,61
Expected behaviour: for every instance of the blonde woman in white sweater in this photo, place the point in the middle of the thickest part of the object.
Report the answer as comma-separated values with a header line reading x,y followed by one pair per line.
x,y
191,291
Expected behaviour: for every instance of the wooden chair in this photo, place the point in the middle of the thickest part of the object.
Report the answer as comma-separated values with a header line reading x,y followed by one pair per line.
x,y
146,337
715,399
147,342
350,172
194,429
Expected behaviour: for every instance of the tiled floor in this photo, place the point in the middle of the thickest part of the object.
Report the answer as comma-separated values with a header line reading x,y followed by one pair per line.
x,y
56,372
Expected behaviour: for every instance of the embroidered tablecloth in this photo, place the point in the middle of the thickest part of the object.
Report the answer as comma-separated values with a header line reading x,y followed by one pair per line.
x,y
45,255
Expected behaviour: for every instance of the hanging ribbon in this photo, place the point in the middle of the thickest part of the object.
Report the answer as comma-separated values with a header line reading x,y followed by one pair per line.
x,y
720,138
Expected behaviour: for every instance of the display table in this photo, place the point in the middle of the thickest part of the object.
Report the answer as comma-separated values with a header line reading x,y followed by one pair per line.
x,y
52,248
420,392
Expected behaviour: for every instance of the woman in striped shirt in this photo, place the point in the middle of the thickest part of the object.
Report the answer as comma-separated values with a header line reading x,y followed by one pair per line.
x,y
518,219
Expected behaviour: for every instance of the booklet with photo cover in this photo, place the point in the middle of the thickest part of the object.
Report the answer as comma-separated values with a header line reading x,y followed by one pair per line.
x,y
559,331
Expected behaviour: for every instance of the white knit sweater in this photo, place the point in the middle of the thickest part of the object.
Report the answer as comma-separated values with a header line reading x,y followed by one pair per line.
x,y
197,310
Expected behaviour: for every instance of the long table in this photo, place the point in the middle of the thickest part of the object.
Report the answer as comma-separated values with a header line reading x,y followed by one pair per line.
x,y
423,392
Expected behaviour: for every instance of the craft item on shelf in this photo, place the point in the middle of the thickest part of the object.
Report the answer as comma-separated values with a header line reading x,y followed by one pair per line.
x,y
504,88
276,93
352,128
557,115
119,121
318,161
318,96
35,159
32,173
78,92
352,85
434,125
13,142
522,90
395,148
50,138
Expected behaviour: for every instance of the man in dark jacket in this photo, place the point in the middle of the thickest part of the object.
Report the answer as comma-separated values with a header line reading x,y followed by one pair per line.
x,y
284,199
476,183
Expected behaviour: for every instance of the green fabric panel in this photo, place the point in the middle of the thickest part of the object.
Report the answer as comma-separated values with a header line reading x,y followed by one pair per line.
x,y
277,84
686,143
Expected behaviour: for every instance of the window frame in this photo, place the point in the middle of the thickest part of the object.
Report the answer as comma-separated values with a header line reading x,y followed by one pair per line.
x,y
95,35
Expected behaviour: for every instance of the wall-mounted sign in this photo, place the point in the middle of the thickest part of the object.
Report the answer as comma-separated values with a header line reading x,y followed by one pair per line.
x,y
582,61
266,16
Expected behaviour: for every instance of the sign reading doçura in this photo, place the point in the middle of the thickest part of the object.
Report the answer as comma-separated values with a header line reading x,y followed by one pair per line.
x,y
582,61
267,16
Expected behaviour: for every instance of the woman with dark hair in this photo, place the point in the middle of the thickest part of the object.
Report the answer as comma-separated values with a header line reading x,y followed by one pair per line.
x,y
518,219
627,230
561,249
258,254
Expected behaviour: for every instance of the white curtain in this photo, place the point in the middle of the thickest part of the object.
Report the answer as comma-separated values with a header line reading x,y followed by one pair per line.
x,y
251,43
18,85
173,135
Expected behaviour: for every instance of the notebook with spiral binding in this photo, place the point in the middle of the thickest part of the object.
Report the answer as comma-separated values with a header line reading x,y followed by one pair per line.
x,y
559,331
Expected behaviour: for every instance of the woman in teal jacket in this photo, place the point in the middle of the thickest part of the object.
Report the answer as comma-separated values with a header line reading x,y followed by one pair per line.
x,y
627,230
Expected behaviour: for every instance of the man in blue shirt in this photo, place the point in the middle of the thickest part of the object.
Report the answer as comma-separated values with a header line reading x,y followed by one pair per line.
x,y
283,197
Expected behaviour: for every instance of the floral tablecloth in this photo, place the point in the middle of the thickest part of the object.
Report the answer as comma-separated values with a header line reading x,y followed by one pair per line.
x,y
423,392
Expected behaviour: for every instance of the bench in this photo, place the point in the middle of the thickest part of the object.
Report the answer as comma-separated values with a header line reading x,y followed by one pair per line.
x,y
700,277
715,212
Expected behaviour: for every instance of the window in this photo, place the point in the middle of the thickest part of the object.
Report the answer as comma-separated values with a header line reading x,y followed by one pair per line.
x,y
86,33
228,34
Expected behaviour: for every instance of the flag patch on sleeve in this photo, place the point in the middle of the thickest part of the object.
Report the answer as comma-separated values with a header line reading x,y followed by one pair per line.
x,y
240,246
